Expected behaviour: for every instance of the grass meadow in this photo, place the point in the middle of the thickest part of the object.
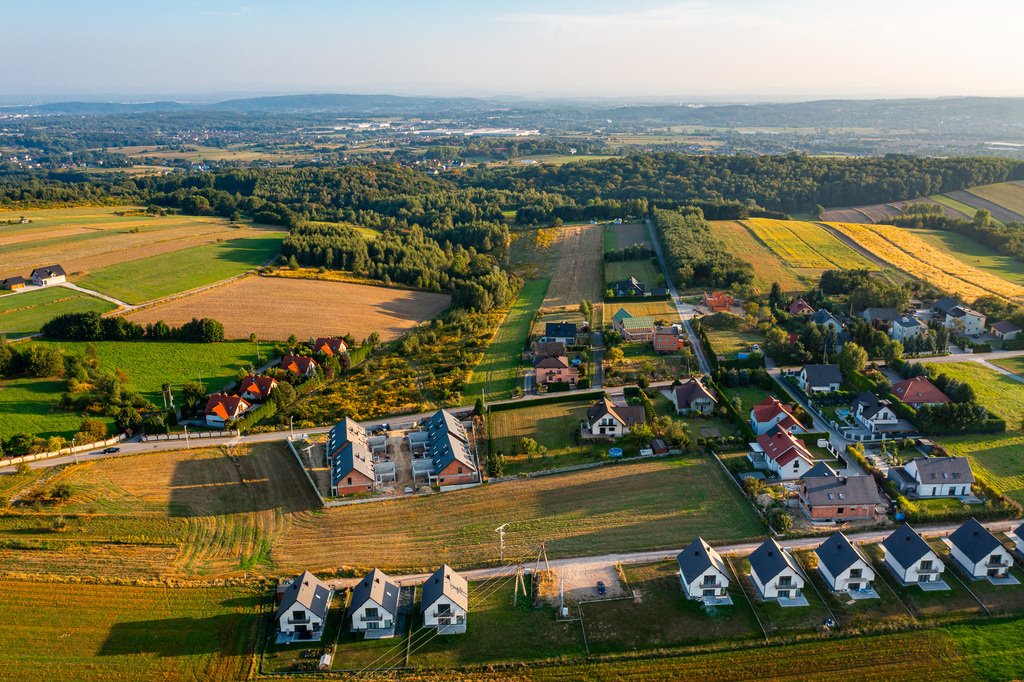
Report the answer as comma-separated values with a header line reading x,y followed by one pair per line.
x,y
29,405
554,427
24,314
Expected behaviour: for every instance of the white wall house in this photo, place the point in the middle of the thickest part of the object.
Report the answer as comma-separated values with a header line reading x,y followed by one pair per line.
x,y
935,477
979,552
303,605
771,412
374,604
607,420
910,558
445,603
907,327
873,412
703,573
775,572
965,320
819,378
843,565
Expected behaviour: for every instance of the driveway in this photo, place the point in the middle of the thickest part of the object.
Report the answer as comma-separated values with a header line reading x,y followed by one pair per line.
x,y
597,358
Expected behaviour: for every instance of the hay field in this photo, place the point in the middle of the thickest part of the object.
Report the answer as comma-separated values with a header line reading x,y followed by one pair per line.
x,y
86,239
974,254
767,266
24,313
1009,195
977,202
276,307
805,245
574,266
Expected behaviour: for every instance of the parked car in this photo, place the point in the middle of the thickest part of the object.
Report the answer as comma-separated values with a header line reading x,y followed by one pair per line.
x,y
110,451
601,589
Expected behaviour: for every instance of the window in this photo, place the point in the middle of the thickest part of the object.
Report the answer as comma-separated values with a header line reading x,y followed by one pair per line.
x,y
840,510
460,471
855,573
298,615
371,614
444,609
350,480
786,580
710,579
926,565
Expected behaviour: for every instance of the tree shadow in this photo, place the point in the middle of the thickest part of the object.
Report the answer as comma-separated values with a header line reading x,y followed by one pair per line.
x,y
176,637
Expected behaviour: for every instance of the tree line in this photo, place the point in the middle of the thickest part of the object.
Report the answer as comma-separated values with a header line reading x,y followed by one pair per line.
x,y
91,326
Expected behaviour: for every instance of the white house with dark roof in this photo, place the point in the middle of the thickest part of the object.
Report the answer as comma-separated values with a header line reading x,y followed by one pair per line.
x,y
776,575
693,397
912,560
703,574
608,420
51,274
874,413
980,553
1004,330
965,320
880,316
934,477
445,602
303,604
824,318
374,605
560,332
907,327
819,378
845,567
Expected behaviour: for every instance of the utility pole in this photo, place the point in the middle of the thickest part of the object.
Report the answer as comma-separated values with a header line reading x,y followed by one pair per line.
x,y
186,437
500,530
74,440
291,432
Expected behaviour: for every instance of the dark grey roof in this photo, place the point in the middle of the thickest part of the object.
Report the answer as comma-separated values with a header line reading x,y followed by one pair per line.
x,y
963,311
944,305
1018,532
1005,327
659,291
49,271
306,590
838,554
872,404
769,560
697,558
974,540
908,322
630,285
690,390
17,279
548,349
820,470
840,490
378,587
560,330
447,441
881,314
445,582
348,450
823,375
942,470
823,316
905,545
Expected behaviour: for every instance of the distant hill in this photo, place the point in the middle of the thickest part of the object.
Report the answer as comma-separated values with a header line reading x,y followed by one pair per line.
x,y
351,104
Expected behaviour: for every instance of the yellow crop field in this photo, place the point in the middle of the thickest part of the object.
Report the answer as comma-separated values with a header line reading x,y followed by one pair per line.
x,y
802,244
913,255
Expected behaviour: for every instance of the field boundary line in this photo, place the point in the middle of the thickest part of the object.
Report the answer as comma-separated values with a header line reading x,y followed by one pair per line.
x,y
309,478
743,589
955,571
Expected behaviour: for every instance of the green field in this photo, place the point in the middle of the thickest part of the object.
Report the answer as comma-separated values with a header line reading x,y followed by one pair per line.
x,y
1015,365
81,631
29,406
806,245
146,279
1009,195
768,268
958,206
24,314
496,373
1000,394
150,364
644,270
552,426
975,254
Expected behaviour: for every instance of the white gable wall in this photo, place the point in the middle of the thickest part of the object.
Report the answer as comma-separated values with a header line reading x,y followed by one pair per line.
x,y
695,588
981,568
361,622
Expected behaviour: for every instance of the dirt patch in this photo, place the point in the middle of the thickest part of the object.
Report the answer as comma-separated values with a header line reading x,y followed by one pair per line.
x,y
274,308
632,233
579,583
576,269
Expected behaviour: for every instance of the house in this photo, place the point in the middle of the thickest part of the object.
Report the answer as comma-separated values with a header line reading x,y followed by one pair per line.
x,y
667,340
14,283
965,321
978,552
874,413
880,316
449,450
769,413
607,420
692,397
374,605
630,287
910,558
257,389
44,277
826,496
942,307
1018,538
934,477
350,459
844,566
1004,330
549,370
329,346
620,315
918,392
560,332
299,365
824,318
222,409
445,602
781,452
775,572
819,378
636,328
548,349
800,307
718,302
907,327
704,574
303,604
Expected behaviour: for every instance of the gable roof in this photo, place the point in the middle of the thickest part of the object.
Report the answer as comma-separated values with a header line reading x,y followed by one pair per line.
x,y
698,558
260,386
906,546
329,345
552,362
560,330
820,470
17,279
800,307
870,404
1018,532
297,364
225,406
771,407
769,560
944,305
48,271
823,316
690,390
918,390
447,442
376,586
822,375
974,540
840,490
881,314
629,415
940,470
908,322
782,447
622,314
963,311
308,591
1005,327
838,554
348,450
645,323
631,283
445,583
548,349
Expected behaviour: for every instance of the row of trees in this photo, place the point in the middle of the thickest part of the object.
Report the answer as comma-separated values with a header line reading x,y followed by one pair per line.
x,y
91,326
695,256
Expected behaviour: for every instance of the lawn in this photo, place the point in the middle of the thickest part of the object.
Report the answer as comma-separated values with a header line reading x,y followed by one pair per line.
x,y
146,279
974,254
661,615
659,310
497,631
1015,365
497,372
92,631
24,314
1000,394
728,342
951,604
29,405
779,621
748,395
150,364
555,427
644,270
768,268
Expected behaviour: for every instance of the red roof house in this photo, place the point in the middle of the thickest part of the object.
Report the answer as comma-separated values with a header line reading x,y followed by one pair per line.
x,y
800,307
771,413
257,388
330,346
718,301
299,364
784,454
222,408
919,391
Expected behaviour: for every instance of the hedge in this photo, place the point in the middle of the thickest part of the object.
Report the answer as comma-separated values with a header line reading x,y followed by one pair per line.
x,y
254,417
632,299
547,400
740,420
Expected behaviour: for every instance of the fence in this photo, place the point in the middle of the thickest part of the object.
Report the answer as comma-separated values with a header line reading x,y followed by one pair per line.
x,y
193,434
63,451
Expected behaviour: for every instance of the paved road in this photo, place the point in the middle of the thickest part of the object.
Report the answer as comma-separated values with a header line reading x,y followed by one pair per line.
x,y
685,310
597,358
91,292
970,357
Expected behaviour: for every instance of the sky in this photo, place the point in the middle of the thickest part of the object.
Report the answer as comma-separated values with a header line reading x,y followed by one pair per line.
x,y
690,49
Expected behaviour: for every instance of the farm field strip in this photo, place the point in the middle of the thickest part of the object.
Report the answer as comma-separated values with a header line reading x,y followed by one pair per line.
x,y
802,244
913,255
274,308
22,314
1008,195
576,271
959,208
976,203
974,254
768,268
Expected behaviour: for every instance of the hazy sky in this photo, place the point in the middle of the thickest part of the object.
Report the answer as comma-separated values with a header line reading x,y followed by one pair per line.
x,y
715,48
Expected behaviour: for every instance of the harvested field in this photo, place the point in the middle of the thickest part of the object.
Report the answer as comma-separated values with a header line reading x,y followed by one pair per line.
x,y
1008,195
24,313
974,254
879,213
87,239
767,266
575,266
275,307
845,215
954,208
628,234
976,202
